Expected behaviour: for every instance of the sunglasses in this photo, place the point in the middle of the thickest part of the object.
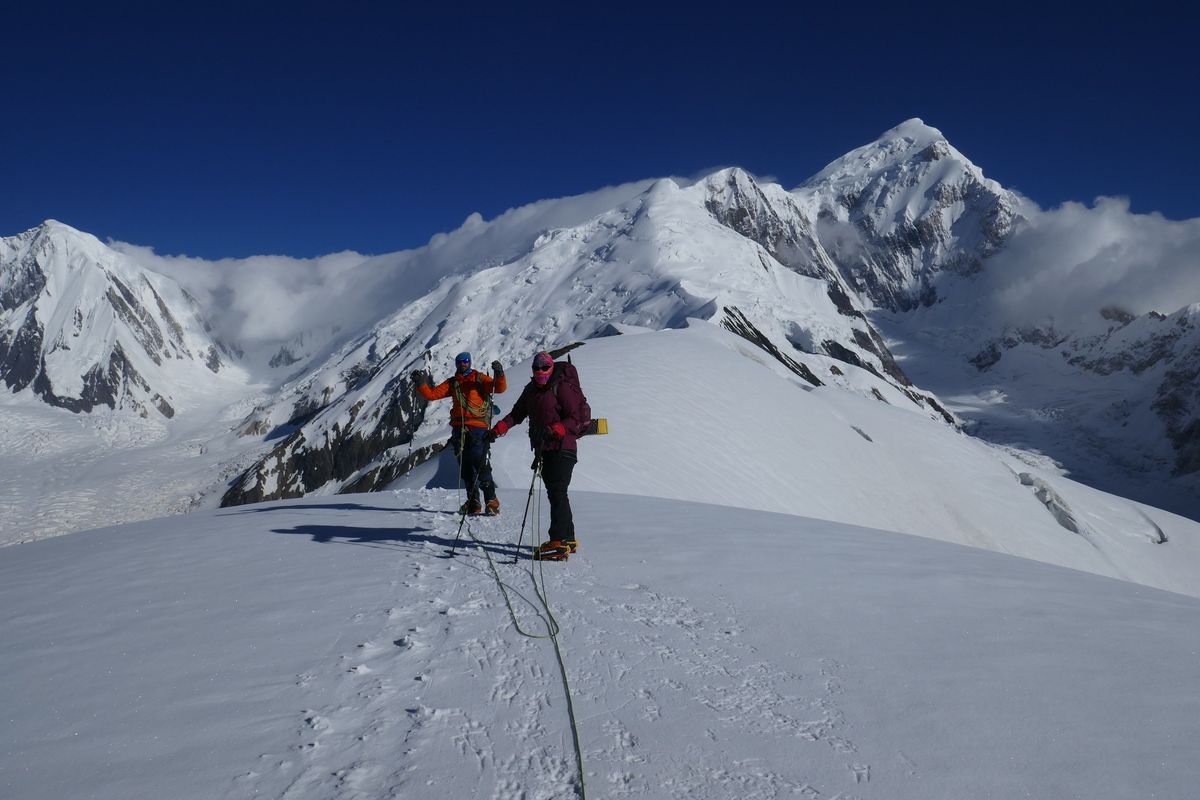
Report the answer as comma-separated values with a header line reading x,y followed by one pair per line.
x,y
464,361
543,367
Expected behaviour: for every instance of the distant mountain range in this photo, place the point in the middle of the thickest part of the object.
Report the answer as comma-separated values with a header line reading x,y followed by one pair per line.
x,y
871,277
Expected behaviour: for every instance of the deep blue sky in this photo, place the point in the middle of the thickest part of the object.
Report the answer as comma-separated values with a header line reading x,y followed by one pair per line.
x,y
300,129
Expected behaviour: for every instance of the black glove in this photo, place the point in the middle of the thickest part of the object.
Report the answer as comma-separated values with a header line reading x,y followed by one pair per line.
x,y
419,378
497,369
489,437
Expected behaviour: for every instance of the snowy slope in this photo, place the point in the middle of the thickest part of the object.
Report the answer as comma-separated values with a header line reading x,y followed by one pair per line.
x,y
702,415
326,648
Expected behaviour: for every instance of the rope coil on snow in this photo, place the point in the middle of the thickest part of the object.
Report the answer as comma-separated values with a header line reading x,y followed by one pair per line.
x,y
552,626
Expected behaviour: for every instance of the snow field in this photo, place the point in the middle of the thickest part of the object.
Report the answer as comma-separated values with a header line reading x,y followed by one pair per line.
x,y
328,649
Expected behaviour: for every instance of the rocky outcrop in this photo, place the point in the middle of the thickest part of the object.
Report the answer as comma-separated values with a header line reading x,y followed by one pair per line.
x,y
352,453
1177,402
738,202
1164,352
1046,338
735,321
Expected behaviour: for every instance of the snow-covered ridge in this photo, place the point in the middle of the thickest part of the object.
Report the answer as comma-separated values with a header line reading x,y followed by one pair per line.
x,y
319,352
709,251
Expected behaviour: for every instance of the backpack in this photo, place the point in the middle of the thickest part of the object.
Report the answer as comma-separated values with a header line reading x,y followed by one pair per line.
x,y
567,372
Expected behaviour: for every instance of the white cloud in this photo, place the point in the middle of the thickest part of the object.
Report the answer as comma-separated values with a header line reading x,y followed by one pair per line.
x,y
269,299
1067,263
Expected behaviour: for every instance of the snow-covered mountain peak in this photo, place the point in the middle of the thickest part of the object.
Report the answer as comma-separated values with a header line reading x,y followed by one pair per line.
x,y
730,176
905,208
60,254
82,326
911,155
60,230
56,236
914,129
907,146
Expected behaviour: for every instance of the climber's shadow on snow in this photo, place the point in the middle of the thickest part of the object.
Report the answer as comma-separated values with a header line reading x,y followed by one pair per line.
x,y
397,537
336,507
321,506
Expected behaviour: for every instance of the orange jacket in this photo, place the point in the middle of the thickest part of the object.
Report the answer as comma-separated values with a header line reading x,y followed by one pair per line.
x,y
472,395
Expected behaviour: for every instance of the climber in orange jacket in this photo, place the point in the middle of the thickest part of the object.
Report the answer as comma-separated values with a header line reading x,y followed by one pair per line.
x,y
470,416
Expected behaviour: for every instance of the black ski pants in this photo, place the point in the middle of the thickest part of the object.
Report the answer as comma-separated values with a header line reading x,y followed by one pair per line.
x,y
557,466
474,462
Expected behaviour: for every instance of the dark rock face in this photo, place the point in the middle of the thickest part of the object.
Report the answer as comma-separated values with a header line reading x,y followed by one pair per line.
x,y
935,405
212,359
131,312
872,342
23,365
841,353
987,358
1177,403
1162,342
898,269
102,386
990,355
21,354
1143,346
1187,443
382,474
739,204
284,358
26,281
310,458
841,302
1100,355
1119,315
735,322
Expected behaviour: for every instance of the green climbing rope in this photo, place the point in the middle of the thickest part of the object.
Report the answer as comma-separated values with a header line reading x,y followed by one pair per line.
x,y
552,626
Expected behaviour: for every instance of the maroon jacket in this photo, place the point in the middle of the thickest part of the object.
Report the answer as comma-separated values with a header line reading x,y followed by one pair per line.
x,y
556,401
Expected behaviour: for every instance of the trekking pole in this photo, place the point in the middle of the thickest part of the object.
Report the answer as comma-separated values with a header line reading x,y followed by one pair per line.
x,y
462,516
537,469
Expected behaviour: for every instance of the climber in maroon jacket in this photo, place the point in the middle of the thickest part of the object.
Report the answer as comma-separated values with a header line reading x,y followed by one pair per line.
x,y
553,403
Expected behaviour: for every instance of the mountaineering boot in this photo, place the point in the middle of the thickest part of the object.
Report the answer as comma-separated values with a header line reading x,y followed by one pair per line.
x,y
571,544
553,550
470,507
492,509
